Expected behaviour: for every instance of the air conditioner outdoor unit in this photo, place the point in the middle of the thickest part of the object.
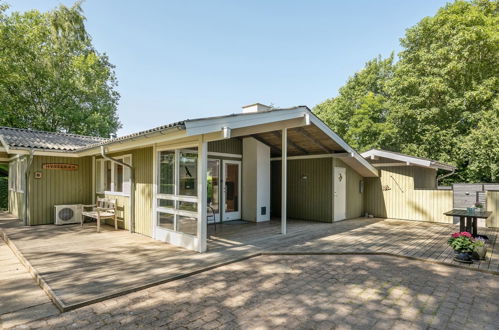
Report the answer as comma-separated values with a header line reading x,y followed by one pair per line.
x,y
65,214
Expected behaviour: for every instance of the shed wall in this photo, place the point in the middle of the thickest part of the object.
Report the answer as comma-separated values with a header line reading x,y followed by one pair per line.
x,y
58,187
493,206
393,195
15,204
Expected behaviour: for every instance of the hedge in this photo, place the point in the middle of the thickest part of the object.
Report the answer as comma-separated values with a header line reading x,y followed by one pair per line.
x,y
4,192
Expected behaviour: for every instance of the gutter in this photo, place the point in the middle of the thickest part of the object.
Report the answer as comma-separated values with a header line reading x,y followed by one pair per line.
x,y
26,217
132,186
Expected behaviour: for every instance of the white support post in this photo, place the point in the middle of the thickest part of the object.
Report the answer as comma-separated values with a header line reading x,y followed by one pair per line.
x,y
202,194
284,180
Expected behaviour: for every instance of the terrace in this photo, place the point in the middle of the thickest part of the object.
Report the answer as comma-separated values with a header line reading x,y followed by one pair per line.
x,y
77,266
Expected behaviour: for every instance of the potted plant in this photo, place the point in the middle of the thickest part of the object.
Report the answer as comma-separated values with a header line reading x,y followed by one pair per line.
x,y
478,207
480,248
463,245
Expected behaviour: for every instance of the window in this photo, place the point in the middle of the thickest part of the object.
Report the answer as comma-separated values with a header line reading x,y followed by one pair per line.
x,y
112,177
177,191
17,174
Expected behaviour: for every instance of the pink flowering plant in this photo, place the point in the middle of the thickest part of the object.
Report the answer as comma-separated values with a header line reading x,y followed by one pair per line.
x,y
462,242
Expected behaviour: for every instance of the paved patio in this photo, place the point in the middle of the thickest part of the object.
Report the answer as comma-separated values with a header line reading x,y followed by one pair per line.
x,y
80,266
304,292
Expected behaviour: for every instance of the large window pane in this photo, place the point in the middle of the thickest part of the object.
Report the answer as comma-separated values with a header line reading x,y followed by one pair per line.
x,y
188,174
118,177
98,177
188,206
166,203
107,174
167,172
187,225
166,220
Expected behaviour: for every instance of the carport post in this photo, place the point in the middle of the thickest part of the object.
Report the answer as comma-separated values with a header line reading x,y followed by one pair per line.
x,y
202,222
284,180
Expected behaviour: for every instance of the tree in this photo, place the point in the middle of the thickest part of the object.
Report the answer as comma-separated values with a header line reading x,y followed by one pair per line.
x,y
446,80
440,96
358,113
52,78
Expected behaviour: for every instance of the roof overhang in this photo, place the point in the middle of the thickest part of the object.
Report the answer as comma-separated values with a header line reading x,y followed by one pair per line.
x,y
300,122
404,160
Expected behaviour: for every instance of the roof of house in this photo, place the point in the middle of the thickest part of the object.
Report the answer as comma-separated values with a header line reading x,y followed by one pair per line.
x,y
256,124
404,159
33,139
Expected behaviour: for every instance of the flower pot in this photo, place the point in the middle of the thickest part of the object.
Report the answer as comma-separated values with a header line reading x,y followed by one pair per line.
x,y
478,209
481,251
463,257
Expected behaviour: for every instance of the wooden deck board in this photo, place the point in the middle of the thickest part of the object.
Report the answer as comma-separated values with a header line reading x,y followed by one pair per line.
x,y
79,264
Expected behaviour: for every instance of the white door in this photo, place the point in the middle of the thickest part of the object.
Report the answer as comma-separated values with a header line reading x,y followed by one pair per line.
x,y
340,206
231,195
213,194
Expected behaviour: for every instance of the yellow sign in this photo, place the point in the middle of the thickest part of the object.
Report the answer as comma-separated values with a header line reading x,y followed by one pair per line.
x,y
58,166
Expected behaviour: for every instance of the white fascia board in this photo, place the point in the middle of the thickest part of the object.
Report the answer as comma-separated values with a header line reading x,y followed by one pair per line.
x,y
442,166
217,124
400,158
407,159
320,124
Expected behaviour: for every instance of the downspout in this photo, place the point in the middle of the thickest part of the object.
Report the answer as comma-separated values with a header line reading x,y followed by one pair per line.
x,y
445,175
26,217
132,186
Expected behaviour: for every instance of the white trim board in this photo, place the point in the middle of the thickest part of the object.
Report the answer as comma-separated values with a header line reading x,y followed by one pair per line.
x,y
371,171
218,124
408,160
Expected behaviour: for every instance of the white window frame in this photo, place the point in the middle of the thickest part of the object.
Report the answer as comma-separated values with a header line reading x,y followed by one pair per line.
x,y
175,197
102,176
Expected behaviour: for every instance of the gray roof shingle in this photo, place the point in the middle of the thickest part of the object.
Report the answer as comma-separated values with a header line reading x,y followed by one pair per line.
x,y
32,139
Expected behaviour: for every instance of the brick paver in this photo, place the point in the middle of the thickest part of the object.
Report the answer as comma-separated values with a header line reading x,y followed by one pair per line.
x,y
314,292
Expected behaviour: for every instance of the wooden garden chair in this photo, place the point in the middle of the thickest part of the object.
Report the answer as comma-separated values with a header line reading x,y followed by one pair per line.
x,y
104,209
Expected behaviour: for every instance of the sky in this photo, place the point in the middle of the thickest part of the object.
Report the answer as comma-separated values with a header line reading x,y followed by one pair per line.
x,y
177,60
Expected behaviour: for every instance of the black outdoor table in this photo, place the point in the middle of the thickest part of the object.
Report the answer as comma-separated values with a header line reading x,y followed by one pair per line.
x,y
468,220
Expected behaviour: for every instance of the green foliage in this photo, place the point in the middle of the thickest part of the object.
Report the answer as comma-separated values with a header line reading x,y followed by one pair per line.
x,y
52,77
438,101
461,244
359,112
4,192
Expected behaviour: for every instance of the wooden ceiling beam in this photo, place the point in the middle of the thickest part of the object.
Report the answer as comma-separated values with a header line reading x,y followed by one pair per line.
x,y
291,143
262,140
313,139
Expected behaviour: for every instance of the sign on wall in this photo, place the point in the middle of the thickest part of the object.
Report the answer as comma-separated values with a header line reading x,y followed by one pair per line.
x,y
60,166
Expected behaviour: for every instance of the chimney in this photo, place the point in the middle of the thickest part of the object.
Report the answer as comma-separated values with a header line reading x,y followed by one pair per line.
x,y
256,107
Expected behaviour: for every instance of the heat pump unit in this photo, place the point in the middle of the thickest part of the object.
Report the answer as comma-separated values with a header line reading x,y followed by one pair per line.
x,y
65,214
